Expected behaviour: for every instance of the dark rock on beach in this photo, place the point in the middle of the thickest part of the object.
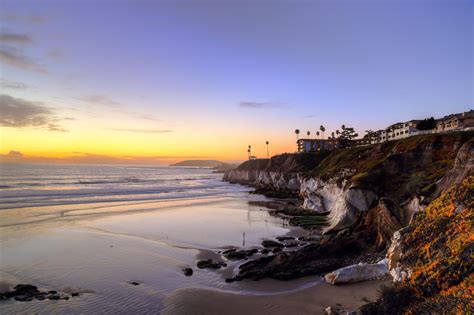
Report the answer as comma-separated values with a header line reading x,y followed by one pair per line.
x,y
235,254
134,283
330,253
292,244
23,298
210,264
188,272
271,244
285,238
25,289
28,292
285,266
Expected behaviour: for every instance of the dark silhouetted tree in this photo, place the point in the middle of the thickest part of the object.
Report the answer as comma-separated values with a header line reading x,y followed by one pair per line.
x,y
346,136
322,129
426,124
370,136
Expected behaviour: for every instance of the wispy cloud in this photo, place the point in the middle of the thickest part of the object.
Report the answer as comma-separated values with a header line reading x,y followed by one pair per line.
x,y
11,54
34,19
15,58
99,99
14,38
13,85
20,113
144,117
258,105
310,116
141,130
117,107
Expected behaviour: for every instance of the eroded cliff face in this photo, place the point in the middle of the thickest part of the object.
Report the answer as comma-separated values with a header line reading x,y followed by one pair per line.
x,y
279,181
282,173
342,200
407,174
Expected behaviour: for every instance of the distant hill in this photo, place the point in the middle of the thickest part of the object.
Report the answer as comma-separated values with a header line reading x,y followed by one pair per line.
x,y
200,163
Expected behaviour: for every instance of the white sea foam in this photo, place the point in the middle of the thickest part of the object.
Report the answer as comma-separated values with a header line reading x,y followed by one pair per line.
x,y
43,185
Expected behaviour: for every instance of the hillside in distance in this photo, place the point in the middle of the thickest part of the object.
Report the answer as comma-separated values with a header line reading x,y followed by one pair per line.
x,y
200,163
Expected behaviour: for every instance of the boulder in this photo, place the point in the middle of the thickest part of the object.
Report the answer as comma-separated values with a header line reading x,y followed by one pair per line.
x,y
358,273
186,271
210,264
271,244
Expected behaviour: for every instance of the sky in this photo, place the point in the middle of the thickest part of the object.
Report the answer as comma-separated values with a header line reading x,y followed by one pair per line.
x,y
159,81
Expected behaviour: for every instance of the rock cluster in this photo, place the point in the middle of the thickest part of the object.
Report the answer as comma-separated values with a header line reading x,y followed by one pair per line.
x,y
28,292
235,254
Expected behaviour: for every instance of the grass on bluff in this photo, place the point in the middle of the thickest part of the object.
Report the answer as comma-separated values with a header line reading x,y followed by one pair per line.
x,y
397,169
439,249
303,217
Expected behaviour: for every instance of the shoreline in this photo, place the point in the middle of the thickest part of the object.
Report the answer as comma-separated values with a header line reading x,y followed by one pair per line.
x,y
121,233
311,300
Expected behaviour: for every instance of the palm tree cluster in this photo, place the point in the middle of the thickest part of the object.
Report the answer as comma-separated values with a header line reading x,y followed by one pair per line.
x,y
345,136
321,128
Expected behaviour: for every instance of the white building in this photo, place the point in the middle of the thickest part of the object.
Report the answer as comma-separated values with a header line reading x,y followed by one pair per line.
x,y
455,122
398,131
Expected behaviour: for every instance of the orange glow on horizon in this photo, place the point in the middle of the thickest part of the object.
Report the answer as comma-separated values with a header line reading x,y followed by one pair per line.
x,y
167,147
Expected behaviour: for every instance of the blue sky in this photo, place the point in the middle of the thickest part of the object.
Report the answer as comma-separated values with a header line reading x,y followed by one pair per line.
x,y
245,70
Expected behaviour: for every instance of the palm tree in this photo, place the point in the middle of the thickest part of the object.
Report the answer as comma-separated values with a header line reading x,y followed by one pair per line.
x,y
317,134
250,151
308,133
332,134
297,131
268,154
322,129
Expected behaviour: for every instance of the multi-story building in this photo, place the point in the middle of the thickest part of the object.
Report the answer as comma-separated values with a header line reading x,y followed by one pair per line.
x,y
456,122
315,145
397,131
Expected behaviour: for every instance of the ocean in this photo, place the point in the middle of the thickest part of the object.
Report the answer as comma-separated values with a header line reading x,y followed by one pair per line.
x,y
33,185
94,229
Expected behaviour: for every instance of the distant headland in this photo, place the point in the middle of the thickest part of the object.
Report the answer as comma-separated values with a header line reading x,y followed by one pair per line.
x,y
200,163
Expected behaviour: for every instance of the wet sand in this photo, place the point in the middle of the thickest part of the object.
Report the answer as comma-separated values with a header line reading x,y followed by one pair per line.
x,y
312,300
100,249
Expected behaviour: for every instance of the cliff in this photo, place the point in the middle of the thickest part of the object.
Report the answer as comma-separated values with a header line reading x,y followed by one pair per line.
x,y
363,188
432,258
282,173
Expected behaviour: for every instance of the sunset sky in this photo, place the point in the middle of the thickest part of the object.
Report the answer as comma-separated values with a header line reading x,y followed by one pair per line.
x,y
160,81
